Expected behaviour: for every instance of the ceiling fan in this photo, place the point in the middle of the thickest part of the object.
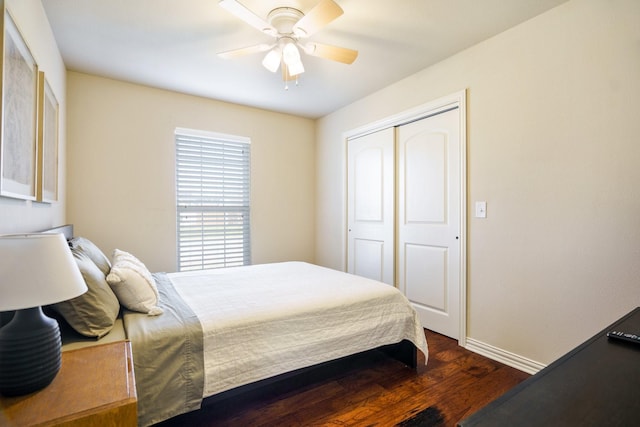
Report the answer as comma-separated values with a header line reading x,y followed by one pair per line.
x,y
289,26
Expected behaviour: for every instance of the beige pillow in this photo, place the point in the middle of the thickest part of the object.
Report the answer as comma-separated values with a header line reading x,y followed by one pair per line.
x,y
133,284
93,313
87,247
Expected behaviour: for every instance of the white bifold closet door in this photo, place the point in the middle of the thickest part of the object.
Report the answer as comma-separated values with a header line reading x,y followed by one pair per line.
x,y
404,214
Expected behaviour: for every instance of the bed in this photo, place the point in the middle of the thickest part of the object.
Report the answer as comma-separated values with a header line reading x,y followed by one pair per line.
x,y
210,333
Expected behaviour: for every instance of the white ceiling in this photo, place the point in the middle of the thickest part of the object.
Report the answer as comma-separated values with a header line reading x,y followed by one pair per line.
x,y
172,45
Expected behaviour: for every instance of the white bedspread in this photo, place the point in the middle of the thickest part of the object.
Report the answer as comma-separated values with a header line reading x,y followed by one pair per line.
x,y
264,320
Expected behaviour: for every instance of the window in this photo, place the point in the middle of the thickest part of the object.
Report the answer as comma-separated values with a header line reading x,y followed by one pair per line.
x,y
212,198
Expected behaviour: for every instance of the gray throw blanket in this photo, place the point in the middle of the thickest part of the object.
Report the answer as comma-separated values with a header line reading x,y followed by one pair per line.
x,y
167,357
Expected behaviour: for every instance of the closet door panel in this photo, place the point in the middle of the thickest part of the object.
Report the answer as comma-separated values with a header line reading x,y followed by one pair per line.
x,y
429,219
369,258
369,185
370,207
426,264
425,179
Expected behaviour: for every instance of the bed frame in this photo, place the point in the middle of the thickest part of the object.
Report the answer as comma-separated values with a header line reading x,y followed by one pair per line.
x,y
403,351
66,230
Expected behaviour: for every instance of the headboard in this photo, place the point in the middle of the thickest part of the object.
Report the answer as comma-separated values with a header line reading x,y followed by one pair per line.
x,y
66,230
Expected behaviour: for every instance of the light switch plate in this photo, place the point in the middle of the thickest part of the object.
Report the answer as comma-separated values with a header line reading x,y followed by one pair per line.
x,y
481,209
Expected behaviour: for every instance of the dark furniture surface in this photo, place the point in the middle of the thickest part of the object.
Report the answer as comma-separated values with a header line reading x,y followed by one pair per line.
x,y
596,384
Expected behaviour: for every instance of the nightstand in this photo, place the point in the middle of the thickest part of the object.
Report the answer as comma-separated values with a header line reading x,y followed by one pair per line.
x,y
95,387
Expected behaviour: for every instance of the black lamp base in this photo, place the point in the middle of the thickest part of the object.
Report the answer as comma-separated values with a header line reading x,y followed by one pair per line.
x,y
30,352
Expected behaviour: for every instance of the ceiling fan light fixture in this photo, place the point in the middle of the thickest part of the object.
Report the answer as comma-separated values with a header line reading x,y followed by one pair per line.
x,y
290,53
291,57
271,60
296,68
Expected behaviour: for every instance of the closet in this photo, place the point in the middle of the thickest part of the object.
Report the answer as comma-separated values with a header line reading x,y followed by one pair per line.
x,y
405,210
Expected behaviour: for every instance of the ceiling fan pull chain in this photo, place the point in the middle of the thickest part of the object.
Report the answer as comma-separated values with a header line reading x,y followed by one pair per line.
x,y
285,72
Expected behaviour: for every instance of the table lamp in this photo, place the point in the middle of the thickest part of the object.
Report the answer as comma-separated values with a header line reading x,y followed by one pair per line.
x,y
35,270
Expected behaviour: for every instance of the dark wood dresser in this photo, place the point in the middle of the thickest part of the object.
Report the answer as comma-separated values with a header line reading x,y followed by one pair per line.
x,y
596,384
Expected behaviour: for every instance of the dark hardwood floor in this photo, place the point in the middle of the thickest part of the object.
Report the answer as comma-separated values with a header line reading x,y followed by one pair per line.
x,y
369,390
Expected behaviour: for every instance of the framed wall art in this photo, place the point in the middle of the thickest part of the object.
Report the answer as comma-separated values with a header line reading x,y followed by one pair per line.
x,y
18,142
47,182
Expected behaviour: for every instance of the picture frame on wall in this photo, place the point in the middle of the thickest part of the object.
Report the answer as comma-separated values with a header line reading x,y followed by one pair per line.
x,y
48,108
18,142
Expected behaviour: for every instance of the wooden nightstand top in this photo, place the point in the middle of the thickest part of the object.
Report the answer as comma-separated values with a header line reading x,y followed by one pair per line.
x,y
95,384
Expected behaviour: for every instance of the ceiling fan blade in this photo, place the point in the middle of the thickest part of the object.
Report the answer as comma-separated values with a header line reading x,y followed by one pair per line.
x,y
334,53
323,13
245,51
241,11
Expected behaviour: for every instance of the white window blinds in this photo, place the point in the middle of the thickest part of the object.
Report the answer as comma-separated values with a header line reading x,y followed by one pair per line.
x,y
212,198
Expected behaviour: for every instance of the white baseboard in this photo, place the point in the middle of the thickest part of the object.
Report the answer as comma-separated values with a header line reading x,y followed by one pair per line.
x,y
510,359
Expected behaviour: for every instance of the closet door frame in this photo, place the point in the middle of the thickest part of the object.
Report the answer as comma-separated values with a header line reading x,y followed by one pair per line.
x,y
455,100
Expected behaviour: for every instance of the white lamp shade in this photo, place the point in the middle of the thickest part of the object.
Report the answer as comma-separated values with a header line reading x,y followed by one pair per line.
x,y
36,270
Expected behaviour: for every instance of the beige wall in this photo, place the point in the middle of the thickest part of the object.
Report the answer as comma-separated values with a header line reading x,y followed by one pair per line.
x,y
19,215
121,171
554,149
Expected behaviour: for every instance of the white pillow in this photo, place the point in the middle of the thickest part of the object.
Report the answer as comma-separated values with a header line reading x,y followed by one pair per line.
x,y
133,284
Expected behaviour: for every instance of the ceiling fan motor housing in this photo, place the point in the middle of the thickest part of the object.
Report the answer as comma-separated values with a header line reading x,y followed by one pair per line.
x,y
283,19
